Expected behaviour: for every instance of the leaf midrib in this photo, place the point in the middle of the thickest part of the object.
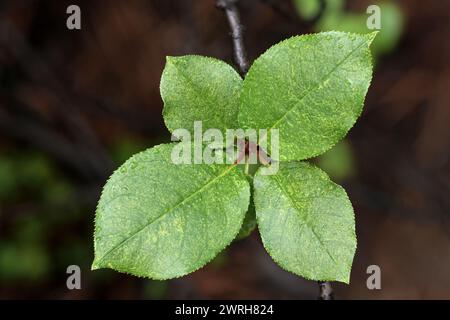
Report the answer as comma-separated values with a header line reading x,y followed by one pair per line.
x,y
294,204
201,92
165,213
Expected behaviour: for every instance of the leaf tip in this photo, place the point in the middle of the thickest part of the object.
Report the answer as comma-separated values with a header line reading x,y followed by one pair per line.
x,y
345,278
95,265
171,59
344,275
371,36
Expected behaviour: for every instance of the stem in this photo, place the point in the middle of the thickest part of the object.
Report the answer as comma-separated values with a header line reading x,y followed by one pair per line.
x,y
240,57
326,291
232,14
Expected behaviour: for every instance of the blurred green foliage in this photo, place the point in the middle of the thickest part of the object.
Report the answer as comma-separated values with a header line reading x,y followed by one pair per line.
x,y
8,181
125,147
308,9
24,256
335,18
23,261
43,219
24,174
338,162
34,198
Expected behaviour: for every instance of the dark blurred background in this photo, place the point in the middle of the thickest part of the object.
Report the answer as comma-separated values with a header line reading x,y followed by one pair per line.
x,y
75,104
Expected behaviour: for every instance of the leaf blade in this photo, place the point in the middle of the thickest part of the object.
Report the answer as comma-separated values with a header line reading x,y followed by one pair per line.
x,y
197,88
311,88
306,222
160,220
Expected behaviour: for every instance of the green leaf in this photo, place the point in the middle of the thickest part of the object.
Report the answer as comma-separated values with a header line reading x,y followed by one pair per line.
x,y
196,88
306,222
160,220
8,181
311,88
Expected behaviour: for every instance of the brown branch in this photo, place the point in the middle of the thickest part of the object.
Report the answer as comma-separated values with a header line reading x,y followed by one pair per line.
x,y
234,21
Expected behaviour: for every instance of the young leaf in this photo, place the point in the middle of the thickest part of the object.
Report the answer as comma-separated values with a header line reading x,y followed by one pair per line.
x,y
306,222
160,220
311,88
196,88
